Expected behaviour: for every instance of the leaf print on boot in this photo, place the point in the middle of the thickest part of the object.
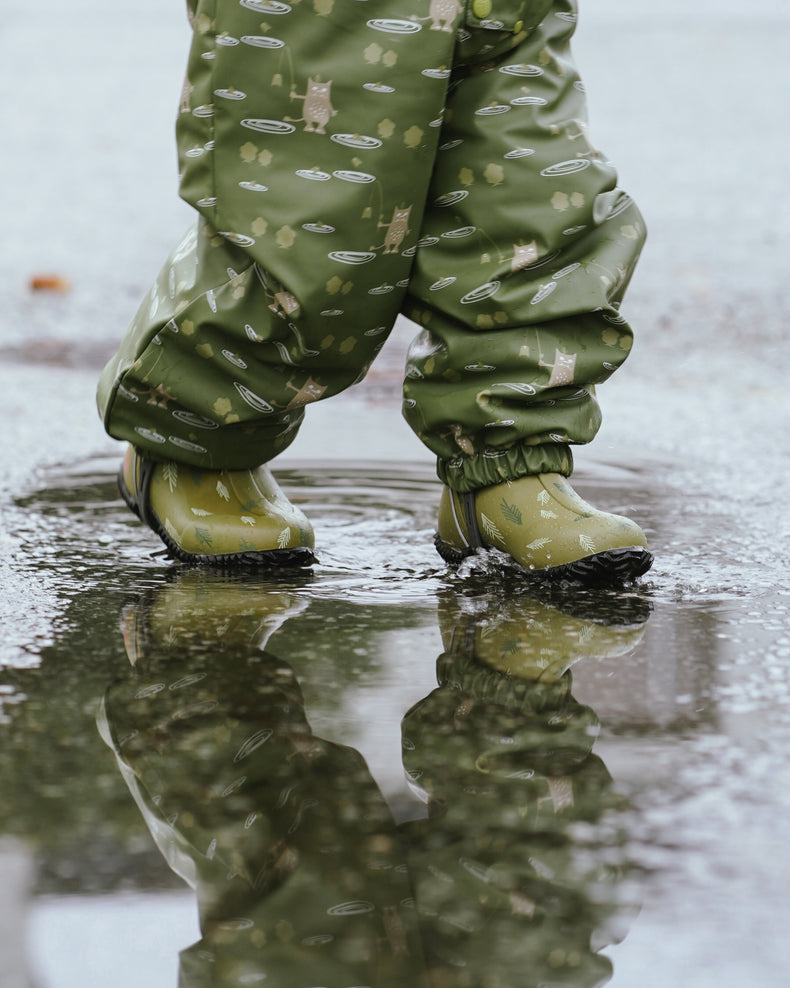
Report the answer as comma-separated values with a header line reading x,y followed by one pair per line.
x,y
538,637
168,624
223,518
543,524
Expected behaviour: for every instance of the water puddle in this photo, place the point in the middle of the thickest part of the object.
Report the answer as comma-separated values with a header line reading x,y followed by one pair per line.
x,y
384,772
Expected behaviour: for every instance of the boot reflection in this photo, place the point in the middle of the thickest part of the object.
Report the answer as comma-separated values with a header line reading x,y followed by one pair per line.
x,y
291,848
518,872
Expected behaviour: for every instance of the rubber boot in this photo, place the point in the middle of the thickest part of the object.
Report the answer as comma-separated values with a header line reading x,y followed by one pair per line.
x,y
543,524
217,517
538,641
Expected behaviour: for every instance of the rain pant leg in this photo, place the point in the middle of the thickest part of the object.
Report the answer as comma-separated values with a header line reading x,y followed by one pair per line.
x,y
307,142
527,246
306,139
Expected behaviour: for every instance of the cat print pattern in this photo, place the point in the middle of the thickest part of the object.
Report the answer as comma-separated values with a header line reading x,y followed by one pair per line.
x,y
318,110
350,164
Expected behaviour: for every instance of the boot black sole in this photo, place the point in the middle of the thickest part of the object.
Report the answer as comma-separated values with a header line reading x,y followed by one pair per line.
x,y
610,568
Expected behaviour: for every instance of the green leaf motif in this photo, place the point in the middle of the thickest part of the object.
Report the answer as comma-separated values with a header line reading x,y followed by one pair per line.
x,y
511,513
170,474
203,536
490,529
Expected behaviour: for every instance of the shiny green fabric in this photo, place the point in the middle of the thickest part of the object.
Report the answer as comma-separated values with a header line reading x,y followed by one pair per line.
x,y
349,164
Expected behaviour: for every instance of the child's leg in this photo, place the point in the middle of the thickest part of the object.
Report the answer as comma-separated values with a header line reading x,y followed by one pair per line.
x,y
528,247
307,136
306,144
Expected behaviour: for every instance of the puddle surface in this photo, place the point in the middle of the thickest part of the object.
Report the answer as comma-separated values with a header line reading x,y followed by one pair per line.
x,y
384,772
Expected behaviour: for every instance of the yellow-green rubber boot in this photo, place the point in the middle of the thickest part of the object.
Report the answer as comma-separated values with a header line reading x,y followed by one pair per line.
x,y
543,524
538,641
207,611
217,517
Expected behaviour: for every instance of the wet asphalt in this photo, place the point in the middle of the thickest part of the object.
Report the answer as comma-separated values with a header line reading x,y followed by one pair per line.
x,y
680,684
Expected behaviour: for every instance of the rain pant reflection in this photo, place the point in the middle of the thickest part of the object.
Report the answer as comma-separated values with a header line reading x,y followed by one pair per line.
x,y
286,839
349,167
302,876
507,892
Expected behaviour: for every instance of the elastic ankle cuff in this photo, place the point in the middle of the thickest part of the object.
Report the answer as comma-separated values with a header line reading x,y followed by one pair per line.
x,y
470,473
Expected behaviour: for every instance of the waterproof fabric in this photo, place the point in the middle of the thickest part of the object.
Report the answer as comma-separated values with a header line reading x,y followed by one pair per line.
x,y
351,162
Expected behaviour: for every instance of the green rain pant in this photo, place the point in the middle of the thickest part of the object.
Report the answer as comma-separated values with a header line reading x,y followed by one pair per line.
x,y
351,161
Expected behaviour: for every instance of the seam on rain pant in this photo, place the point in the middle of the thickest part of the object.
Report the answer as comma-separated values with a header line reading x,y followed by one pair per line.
x,y
350,163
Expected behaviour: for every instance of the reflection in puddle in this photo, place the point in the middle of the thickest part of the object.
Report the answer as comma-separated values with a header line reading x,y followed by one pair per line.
x,y
301,872
461,799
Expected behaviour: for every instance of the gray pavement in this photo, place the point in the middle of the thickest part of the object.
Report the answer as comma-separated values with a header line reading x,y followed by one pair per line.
x,y
690,101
